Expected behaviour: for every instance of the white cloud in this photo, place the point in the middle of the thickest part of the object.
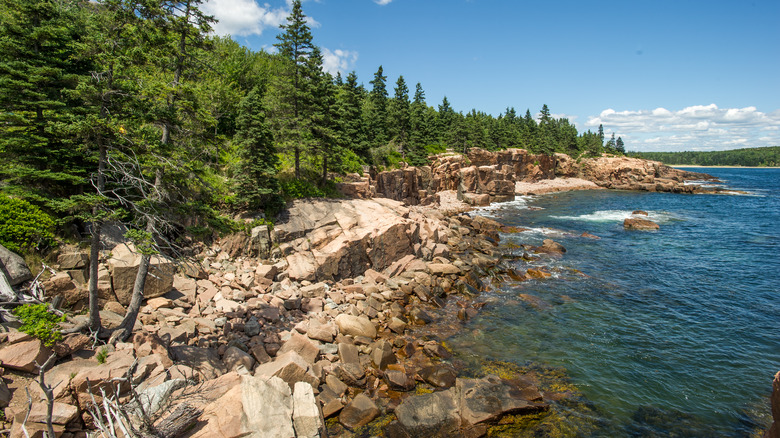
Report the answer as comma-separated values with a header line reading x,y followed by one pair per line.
x,y
382,2
698,127
338,60
248,17
244,17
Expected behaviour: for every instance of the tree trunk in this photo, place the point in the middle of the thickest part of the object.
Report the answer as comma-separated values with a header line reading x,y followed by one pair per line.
x,y
324,169
125,329
297,162
94,251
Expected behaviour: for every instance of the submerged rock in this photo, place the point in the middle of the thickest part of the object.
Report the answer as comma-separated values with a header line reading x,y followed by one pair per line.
x,y
640,224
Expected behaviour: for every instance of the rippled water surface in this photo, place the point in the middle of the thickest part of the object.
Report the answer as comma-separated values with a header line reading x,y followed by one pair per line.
x,y
674,332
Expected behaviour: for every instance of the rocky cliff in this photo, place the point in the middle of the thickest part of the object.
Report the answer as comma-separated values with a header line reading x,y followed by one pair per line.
x,y
481,177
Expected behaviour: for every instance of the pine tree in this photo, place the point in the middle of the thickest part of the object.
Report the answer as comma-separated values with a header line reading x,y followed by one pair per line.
x,y
39,71
610,146
324,124
376,111
398,117
166,166
349,102
446,118
257,183
293,87
419,128
619,146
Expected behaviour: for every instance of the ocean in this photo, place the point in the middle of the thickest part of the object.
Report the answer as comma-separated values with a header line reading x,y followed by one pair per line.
x,y
674,332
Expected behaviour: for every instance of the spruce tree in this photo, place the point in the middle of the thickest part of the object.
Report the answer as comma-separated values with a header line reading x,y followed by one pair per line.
x,y
349,103
257,186
446,118
376,111
39,70
324,116
419,128
292,93
620,146
398,117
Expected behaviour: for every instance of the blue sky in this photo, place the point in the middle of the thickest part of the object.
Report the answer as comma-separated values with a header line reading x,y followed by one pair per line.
x,y
663,75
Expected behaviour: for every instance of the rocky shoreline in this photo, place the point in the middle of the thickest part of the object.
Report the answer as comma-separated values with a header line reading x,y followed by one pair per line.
x,y
318,323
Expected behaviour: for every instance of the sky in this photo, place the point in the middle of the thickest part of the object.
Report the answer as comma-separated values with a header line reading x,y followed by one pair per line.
x,y
663,75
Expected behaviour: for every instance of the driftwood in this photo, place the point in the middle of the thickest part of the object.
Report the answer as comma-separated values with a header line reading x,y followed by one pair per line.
x,y
130,419
178,421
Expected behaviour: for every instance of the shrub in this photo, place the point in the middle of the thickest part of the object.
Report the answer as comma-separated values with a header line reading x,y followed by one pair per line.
x,y
23,226
38,322
297,189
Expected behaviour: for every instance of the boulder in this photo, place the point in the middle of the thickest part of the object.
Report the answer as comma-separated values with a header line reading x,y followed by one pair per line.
x,y
355,326
258,407
331,403
399,380
382,354
71,343
307,420
430,415
302,346
640,224
99,377
62,285
325,240
359,412
551,247
204,360
774,429
73,260
235,357
260,241
439,376
23,356
267,271
123,266
443,269
5,394
62,413
488,399
146,344
321,331
291,368
14,267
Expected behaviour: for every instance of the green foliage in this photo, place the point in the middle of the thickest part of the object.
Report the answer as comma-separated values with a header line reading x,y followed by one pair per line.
x,y
348,162
435,148
23,226
143,241
756,157
38,322
257,183
301,188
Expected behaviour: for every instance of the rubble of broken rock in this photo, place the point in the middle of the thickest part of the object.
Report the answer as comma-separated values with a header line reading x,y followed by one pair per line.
x,y
328,325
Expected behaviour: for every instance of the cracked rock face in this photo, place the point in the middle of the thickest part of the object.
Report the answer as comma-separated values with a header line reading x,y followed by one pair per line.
x,y
325,240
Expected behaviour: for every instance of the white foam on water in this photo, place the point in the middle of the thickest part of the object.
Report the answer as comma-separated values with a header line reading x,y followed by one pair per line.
x,y
520,203
621,215
699,183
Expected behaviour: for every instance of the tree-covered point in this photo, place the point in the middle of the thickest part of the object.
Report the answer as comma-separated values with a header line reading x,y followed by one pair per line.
x,y
132,110
754,157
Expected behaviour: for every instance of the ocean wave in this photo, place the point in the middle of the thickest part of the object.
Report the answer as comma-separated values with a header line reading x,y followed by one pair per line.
x,y
520,203
621,215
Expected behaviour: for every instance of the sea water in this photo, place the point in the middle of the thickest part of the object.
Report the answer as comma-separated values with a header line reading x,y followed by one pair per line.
x,y
674,332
